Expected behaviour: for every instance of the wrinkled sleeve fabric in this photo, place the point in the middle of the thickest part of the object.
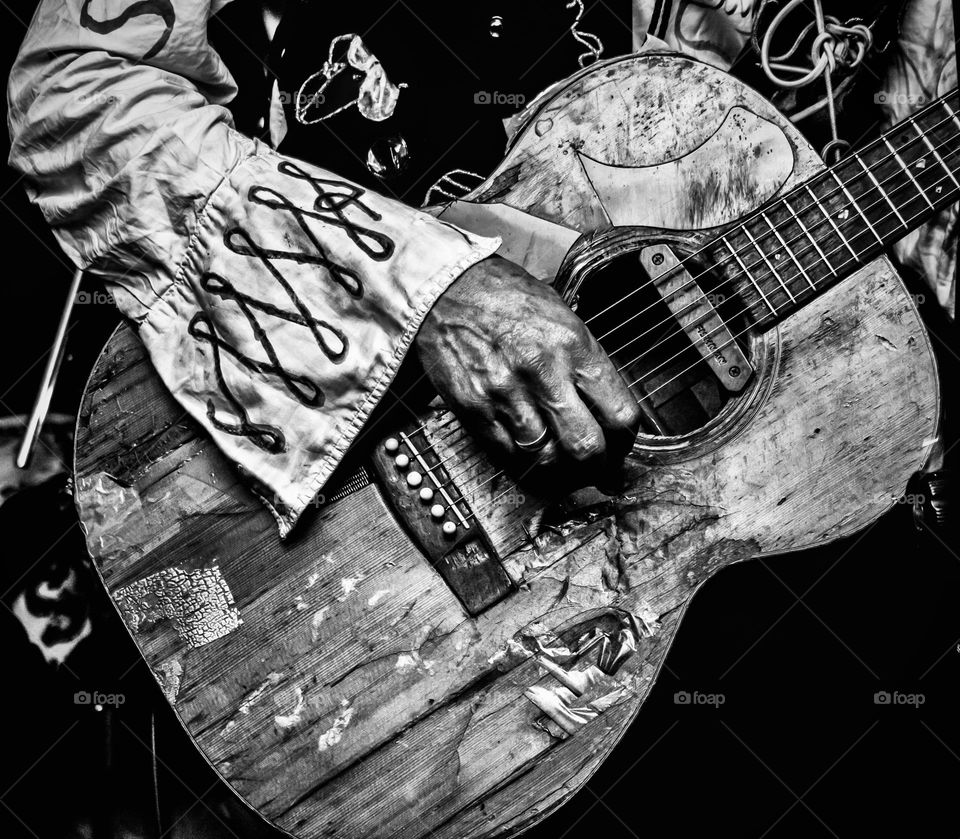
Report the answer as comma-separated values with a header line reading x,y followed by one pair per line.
x,y
276,300
924,66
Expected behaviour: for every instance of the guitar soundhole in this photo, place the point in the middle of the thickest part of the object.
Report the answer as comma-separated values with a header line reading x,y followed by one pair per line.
x,y
683,349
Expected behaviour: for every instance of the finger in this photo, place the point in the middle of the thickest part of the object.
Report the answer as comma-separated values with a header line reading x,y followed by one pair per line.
x,y
526,424
613,405
580,439
532,469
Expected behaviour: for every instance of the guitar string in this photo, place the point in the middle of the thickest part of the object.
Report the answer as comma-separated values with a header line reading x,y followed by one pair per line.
x,y
898,173
492,501
879,201
459,474
473,513
884,197
749,247
829,170
746,309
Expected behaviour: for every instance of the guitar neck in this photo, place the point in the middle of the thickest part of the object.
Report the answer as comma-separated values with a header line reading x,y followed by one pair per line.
x,y
822,231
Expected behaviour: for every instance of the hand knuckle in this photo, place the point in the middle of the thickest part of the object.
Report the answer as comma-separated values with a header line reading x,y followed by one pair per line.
x,y
627,415
586,446
547,456
500,383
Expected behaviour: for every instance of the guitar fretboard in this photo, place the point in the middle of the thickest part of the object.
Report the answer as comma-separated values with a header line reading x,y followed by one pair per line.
x,y
804,242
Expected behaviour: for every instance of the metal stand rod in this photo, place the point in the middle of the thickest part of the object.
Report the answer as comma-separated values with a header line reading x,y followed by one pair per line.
x,y
42,403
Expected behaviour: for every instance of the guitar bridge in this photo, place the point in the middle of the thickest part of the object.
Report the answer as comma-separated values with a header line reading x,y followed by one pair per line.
x,y
422,485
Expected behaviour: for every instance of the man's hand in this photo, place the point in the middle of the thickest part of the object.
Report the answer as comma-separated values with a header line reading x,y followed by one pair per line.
x,y
512,361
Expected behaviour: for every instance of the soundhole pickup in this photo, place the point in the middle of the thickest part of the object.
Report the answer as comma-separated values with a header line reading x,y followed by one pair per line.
x,y
431,508
697,315
676,330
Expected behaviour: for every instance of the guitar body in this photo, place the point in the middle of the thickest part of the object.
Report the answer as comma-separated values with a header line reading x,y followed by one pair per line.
x,y
339,681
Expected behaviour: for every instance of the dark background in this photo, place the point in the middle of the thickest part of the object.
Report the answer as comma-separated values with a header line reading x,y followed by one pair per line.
x,y
797,646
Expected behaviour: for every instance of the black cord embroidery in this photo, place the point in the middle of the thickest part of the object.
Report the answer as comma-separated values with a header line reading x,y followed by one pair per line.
x,y
215,284
329,207
334,199
266,437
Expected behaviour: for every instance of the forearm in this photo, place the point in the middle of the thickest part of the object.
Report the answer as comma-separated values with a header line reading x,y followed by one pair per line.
x,y
276,300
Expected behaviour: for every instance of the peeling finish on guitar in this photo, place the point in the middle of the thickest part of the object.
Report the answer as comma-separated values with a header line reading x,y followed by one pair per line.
x,y
170,674
198,603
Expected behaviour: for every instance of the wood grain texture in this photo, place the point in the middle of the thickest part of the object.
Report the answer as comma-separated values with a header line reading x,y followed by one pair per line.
x,y
352,695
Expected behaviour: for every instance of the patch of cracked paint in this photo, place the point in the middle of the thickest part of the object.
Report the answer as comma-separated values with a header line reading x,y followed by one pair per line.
x,y
412,661
170,675
408,662
512,654
315,622
378,597
295,716
197,602
349,586
250,700
334,734
648,618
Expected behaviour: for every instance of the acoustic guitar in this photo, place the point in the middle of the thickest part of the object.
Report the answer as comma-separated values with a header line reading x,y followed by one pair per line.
x,y
435,651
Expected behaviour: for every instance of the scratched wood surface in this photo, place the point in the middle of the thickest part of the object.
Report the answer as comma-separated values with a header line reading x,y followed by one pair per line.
x,y
334,680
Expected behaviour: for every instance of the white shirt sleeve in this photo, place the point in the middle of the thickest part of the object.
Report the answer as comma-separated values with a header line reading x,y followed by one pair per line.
x,y
276,300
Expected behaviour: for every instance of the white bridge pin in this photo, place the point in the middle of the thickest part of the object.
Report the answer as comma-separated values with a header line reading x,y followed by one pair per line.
x,y
437,511
414,479
391,444
426,494
402,461
449,528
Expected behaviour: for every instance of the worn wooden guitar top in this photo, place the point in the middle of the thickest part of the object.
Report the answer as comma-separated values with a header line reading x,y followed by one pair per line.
x,y
337,681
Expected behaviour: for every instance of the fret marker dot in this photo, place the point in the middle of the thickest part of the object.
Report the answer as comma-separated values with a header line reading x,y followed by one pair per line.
x,y
939,190
921,163
426,494
449,528
414,479
437,511
402,461
843,214
391,444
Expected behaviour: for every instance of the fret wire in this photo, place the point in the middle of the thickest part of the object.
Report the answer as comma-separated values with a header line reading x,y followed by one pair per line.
x,y
813,241
803,228
712,332
927,112
949,110
913,180
880,189
773,270
856,206
816,202
833,224
750,276
934,152
786,247
726,343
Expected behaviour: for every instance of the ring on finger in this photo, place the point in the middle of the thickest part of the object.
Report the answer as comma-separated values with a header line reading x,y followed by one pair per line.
x,y
534,445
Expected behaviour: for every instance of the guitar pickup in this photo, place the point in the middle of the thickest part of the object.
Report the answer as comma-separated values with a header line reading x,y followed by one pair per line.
x,y
697,316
